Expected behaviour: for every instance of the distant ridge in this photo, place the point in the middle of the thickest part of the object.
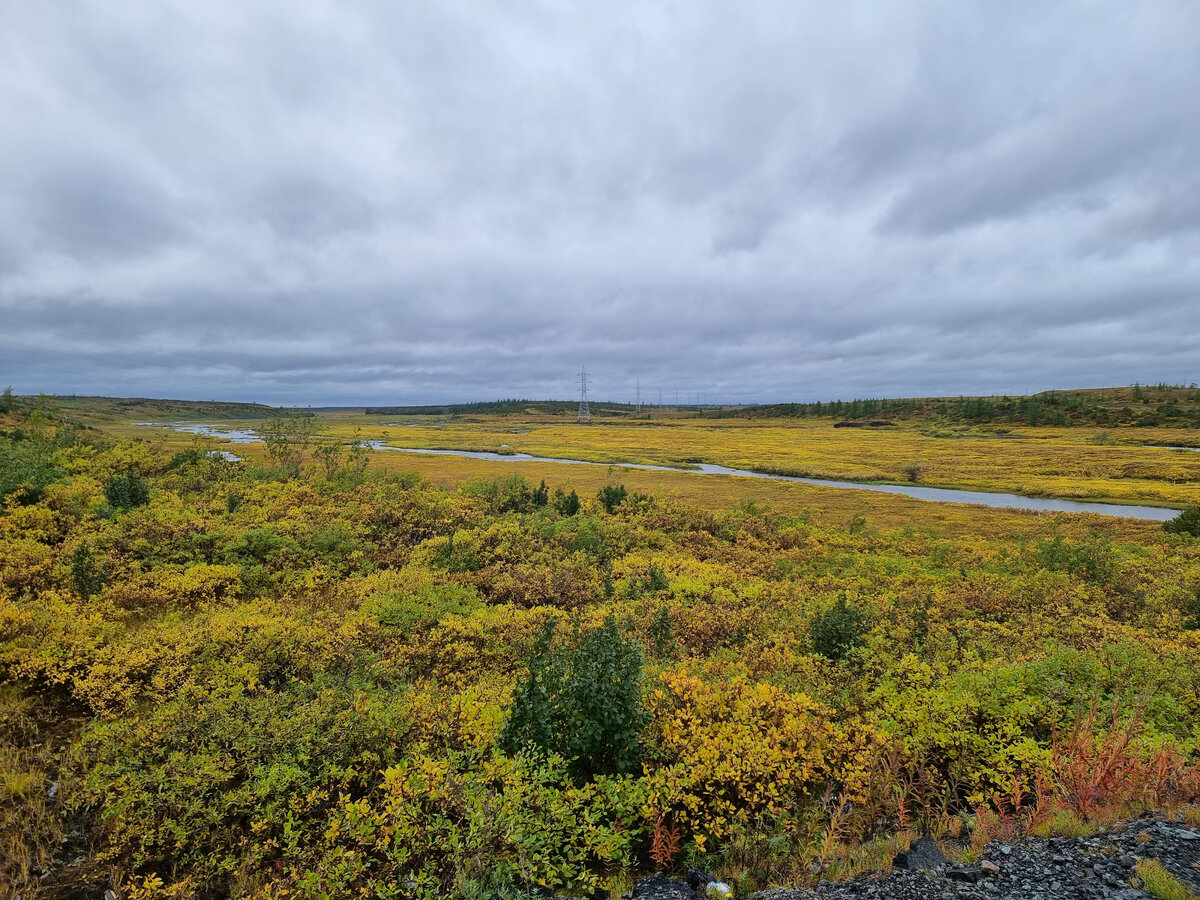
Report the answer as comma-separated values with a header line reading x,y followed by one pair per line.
x,y
149,408
499,408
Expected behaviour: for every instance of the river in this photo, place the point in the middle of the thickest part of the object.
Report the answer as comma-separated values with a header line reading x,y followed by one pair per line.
x,y
939,495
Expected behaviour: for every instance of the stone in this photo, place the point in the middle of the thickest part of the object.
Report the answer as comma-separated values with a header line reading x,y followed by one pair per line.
x,y
660,887
964,874
924,853
987,867
698,878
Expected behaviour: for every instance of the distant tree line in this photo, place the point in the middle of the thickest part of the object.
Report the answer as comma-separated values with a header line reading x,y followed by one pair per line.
x,y
1140,405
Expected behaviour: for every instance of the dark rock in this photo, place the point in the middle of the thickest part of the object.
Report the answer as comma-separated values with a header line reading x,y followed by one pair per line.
x,y
923,854
660,887
698,879
964,874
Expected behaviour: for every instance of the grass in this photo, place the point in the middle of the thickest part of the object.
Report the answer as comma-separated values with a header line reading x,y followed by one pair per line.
x,y
1159,882
1066,824
827,506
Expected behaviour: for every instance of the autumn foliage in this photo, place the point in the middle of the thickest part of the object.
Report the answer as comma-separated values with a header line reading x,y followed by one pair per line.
x,y
318,681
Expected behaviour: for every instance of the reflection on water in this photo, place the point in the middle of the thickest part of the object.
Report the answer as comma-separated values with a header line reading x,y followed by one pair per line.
x,y
233,435
943,495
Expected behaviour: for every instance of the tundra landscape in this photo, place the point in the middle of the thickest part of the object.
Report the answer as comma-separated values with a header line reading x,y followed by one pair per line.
x,y
608,450
333,669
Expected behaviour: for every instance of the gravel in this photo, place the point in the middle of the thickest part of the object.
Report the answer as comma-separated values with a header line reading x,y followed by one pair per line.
x,y
1029,869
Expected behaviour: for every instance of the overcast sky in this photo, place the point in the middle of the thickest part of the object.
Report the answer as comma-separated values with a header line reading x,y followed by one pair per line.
x,y
325,202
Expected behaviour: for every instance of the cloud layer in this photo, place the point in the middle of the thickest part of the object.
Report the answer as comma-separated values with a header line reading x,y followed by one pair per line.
x,y
321,203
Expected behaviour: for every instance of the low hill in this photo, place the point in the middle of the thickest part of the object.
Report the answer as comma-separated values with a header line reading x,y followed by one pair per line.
x,y
96,409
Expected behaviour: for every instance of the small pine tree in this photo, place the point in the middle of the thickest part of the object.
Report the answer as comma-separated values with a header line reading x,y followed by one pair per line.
x,y
566,504
660,634
86,577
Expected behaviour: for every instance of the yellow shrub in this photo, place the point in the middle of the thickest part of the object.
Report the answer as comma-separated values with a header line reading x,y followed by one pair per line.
x,y
731,752
177,588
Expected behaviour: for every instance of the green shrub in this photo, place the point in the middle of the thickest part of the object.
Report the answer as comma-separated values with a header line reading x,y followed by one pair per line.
x,y
836,631
222,781
1187,522
566,504
583,703
423,607
126,491
511,494
26,469
611,496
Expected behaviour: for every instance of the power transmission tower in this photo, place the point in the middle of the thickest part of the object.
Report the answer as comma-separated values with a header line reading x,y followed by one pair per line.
x,y
585,413
637,407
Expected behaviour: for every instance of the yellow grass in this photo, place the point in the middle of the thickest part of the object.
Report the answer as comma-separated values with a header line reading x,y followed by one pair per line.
x,y
715,492
1050,462
1062,462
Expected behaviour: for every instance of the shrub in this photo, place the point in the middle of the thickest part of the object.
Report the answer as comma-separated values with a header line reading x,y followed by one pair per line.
x,y
221,781
422,608
126,491
566,504
734,752
510,494
582,703
836,631
611,496
25,469
1187,522
462,827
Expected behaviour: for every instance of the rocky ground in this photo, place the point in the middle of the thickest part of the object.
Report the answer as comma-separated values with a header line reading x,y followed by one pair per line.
x,y
1030,869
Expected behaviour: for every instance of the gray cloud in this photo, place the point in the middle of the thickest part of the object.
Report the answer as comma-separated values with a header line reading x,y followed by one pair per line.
x,y
432,201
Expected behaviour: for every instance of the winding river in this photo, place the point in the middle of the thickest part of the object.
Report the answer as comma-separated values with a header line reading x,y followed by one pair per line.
x,y
940,495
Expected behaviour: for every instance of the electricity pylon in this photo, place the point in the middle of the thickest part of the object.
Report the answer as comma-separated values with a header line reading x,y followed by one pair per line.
x,y
585,413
